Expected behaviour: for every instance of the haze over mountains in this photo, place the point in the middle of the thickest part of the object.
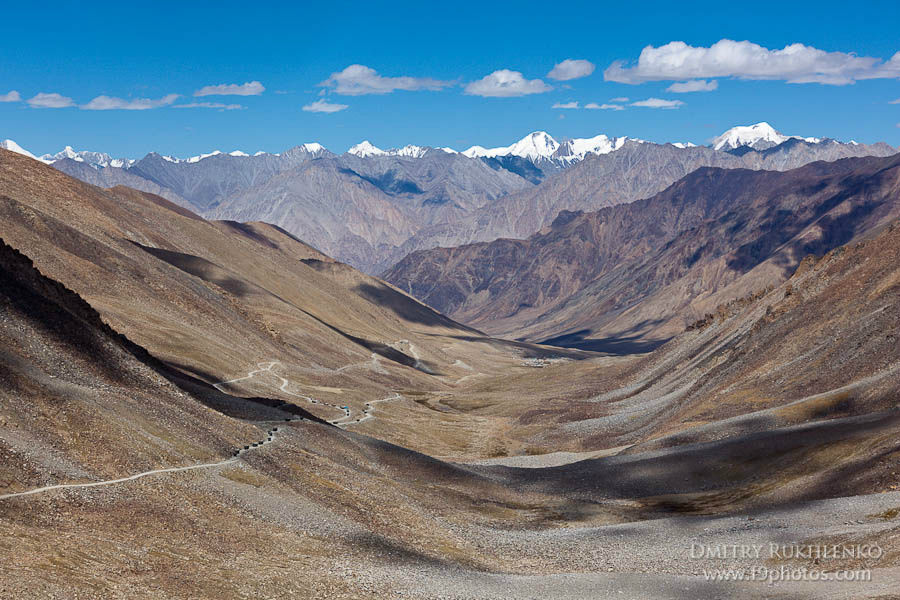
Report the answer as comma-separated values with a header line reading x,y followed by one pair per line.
x,y
370,207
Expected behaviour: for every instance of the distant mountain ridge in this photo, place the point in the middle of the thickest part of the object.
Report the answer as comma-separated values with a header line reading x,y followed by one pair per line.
x,y
370,207
631,275
537,146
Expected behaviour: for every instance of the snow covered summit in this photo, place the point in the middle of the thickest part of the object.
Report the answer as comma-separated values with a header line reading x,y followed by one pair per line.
x,y
759,137
364,149
534,146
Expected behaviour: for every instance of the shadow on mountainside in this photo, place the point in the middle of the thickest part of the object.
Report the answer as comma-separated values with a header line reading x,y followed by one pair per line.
x,y
779,226
204,269
634,344
811,461
72,322
213,273
627,341
247,231
405,307
527,349
387,297
199,385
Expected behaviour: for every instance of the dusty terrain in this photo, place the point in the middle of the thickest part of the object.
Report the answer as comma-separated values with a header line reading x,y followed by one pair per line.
x,y
414,457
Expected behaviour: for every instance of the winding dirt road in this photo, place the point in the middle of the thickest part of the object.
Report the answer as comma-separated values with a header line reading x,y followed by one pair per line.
x,y
347,419
268,368
270,437
367,411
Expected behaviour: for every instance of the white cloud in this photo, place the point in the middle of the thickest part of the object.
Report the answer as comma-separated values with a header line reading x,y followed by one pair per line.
x,y
12,96
571,69
694,85
619,99
506,84
251,88
566,105
358,80
795,63
595,106
321,106
218,105
47,100
111,103
658,103
897,101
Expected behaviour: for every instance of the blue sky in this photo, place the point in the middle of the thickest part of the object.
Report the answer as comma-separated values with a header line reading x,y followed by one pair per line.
x,y
144,53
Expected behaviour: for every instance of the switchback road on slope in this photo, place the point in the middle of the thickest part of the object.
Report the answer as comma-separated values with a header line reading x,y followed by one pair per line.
x,y
268,368
346,419
367,411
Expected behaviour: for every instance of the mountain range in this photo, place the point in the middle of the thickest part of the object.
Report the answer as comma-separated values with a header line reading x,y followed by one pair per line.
x,y
630,276
214,409
371,207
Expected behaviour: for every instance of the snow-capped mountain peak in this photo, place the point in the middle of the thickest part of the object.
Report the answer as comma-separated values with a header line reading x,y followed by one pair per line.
x,y
200,157
14,147
479,151
759,137
755,136
313,147
364,149
69,152
535,146
233,153
410,151
95,159
576,149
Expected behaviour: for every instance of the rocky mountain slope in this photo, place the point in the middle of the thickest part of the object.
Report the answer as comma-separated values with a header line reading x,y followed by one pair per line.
x,y
169,280
634,171
81,400
197,183
363,209
820,346
629,276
